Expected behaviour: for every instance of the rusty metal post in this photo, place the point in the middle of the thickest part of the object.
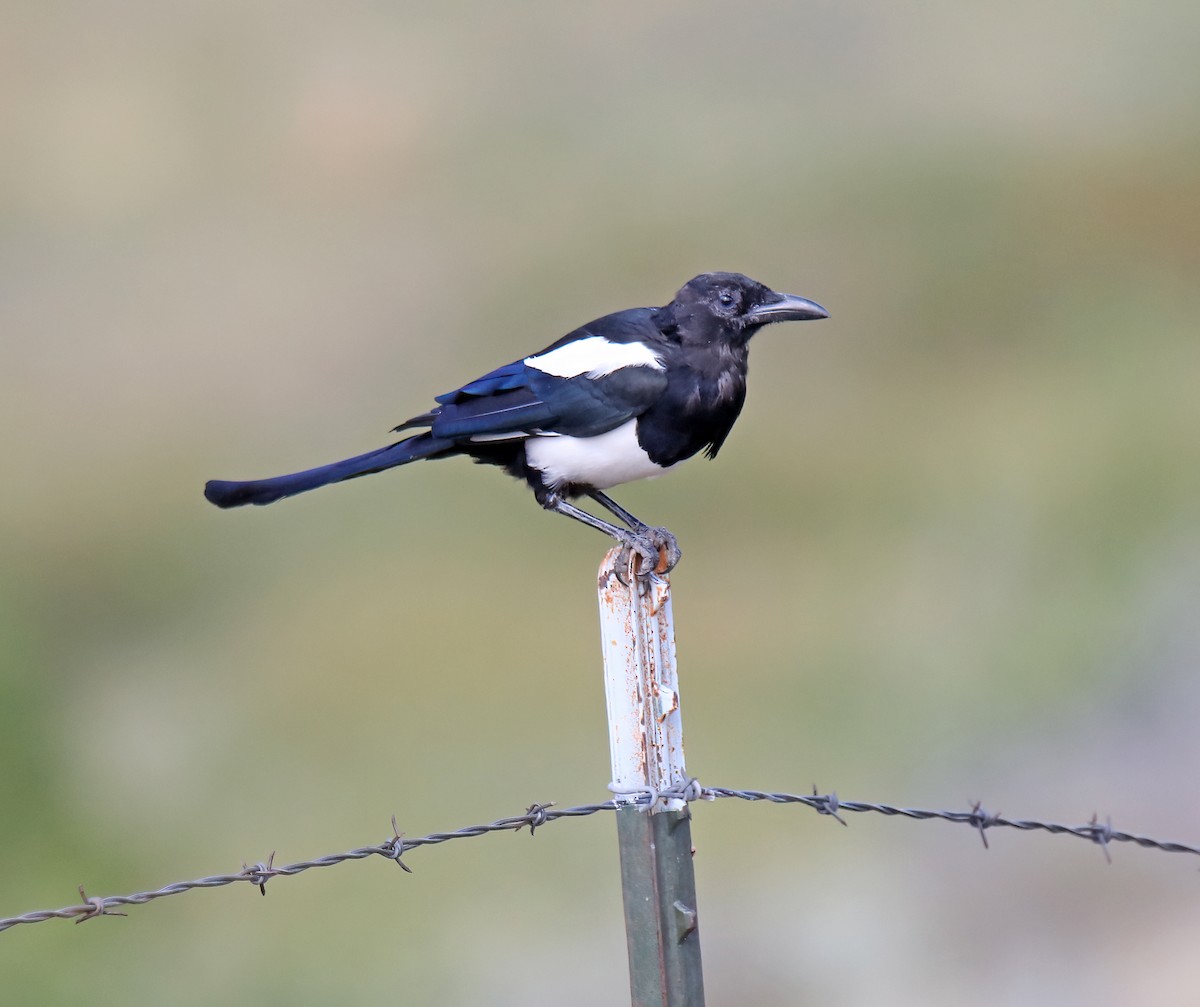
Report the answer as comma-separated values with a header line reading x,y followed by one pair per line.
x,y
646,744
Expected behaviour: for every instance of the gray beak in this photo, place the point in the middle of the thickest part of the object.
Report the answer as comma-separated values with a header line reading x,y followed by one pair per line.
x,y
785,308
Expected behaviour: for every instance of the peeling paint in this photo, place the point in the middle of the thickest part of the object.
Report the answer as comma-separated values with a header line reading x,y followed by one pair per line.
x,y
637,633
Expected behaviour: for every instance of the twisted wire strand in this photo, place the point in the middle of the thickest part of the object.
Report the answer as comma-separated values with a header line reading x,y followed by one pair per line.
x,y
397,846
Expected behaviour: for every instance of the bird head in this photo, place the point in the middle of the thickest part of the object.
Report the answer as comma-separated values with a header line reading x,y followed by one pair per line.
x,y
731,307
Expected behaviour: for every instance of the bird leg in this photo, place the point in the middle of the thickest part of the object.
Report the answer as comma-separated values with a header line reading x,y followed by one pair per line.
x,y
639,538
663,539
611,505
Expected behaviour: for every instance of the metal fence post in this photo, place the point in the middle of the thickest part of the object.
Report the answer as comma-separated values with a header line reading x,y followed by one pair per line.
x,y
646,743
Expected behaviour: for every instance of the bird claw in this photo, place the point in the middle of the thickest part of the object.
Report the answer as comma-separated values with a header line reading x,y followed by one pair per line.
x,y
669,553
656,549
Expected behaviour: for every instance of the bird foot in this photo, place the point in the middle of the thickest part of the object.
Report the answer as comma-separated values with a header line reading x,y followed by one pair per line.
x,y
656,549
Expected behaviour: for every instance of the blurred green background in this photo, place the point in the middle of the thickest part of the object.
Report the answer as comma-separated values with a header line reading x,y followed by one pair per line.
x,y
950,551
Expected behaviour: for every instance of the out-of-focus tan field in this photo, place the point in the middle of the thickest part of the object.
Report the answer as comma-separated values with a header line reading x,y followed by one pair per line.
x,y
951,551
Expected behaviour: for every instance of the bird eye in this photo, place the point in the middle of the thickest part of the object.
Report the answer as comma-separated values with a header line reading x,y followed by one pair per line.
x,y
726,298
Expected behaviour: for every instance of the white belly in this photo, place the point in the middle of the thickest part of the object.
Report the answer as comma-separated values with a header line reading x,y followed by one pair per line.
x,y
603,461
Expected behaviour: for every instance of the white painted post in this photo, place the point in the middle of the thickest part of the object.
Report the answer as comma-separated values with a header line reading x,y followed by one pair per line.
x,y
641,683
646,744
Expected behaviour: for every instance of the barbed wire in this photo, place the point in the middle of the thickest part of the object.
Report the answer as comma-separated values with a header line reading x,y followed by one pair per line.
x,y
538,815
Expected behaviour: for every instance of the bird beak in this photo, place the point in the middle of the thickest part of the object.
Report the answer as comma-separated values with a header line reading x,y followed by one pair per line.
x,y
785,308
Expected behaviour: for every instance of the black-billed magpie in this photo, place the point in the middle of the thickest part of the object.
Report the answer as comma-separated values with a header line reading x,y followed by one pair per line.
x,y
628,396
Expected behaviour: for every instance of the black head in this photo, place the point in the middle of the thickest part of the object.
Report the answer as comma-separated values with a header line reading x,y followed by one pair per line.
x,y
732,307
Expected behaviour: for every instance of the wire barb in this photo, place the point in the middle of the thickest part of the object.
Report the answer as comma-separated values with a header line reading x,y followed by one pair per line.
x,y
982,820
260,873
1102,834
827,804
394,848
93,908
538,815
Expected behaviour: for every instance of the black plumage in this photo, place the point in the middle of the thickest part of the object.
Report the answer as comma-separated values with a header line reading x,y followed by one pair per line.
x,y
627,396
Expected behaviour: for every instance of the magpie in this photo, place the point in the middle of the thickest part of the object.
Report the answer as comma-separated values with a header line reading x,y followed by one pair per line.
x,y
628,396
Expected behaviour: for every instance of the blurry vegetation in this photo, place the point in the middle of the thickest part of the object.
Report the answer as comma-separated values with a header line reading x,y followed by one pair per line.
x,y
949,552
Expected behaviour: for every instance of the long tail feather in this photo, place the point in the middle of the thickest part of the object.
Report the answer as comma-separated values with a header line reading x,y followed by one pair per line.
x,y
265,491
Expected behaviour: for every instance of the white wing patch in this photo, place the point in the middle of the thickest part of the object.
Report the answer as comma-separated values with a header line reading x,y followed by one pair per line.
x,y
518,435
603,461
594,356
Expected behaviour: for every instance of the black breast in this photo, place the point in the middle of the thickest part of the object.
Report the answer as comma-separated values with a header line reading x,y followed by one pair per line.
x,y
704,395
